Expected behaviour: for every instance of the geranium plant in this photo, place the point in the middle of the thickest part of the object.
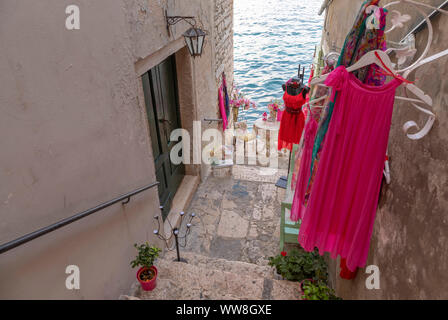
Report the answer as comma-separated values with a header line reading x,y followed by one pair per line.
x,y
300,265
312,290
145,259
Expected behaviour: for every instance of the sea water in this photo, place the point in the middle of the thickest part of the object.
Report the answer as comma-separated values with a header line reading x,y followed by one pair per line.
x,y
272,37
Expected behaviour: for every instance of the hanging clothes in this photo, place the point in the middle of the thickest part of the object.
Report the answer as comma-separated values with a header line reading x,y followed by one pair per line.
x,y
298,158
373,39
311,76
222,108
302,167
226,95
358,42
341,211
298,209
322,91
293,121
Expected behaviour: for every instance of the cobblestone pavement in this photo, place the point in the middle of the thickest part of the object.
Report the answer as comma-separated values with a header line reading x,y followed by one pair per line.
x,y
238,216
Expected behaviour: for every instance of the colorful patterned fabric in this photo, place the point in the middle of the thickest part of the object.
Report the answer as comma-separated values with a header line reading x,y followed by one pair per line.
x,y
372,40
359,41
226,95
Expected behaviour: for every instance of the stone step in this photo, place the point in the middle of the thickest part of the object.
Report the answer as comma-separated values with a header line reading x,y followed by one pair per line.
x,y
237,267
181,281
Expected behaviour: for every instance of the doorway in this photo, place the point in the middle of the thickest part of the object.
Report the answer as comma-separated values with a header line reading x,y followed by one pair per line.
x,y
162,107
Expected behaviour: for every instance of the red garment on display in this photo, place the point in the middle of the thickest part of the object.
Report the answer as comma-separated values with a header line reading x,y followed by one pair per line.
x,y
311,76
293,121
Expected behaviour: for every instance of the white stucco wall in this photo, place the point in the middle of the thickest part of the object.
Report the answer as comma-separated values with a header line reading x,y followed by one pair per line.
x,y
74,134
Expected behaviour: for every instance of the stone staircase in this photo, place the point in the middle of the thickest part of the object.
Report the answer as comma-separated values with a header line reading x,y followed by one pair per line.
x,y
205,278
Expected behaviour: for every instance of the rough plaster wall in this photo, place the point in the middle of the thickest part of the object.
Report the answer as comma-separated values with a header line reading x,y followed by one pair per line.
x,y
149,34
411,231
339,19
75,134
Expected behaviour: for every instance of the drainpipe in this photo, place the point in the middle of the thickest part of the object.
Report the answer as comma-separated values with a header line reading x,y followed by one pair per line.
x,y
422,24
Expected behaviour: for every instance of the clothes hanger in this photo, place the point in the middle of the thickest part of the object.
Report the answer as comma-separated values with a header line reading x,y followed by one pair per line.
x,y
385,62
381,59
313,102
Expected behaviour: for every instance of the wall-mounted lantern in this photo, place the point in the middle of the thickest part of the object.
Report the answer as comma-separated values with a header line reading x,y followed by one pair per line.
x,y
194,37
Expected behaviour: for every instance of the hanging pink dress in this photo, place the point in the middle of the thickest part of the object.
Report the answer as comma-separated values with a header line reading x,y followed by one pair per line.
x,y
341,211
222,108
311,127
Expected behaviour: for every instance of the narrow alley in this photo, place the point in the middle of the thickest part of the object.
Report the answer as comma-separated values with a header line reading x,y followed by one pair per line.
x,y
224,150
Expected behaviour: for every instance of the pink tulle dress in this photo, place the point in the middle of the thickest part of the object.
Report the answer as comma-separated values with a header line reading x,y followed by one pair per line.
x,y
342,207
298,208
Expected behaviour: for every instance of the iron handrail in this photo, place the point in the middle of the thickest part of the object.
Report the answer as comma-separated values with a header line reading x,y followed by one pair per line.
x,y
41,232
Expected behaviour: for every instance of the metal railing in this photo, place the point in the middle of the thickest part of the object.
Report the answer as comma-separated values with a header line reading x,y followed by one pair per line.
x,y
124,199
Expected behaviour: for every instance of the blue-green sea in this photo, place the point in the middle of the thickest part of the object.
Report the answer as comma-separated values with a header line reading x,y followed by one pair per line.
x,y
272,37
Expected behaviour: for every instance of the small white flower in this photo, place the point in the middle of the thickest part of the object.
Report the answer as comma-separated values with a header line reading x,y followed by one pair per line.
x,y
399,19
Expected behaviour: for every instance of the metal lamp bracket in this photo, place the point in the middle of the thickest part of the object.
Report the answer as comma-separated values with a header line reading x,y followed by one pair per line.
x,y
173,20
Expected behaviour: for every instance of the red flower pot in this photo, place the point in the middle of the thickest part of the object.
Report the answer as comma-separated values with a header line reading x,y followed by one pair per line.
x,y
151,284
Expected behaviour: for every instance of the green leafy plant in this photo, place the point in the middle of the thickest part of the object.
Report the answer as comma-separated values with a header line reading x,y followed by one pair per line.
x,y
146,256
317,291
300,265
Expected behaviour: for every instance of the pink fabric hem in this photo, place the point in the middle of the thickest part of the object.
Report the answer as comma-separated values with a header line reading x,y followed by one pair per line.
x,y
341,210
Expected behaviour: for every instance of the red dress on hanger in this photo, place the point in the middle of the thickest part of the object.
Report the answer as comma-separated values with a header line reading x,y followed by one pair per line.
x,y
293,121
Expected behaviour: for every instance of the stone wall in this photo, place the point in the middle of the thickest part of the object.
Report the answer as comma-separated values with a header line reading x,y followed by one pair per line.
x,y
411,229
223,37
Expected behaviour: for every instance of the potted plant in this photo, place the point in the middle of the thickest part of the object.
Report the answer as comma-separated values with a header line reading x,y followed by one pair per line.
x,y
147,274
274,110
317,290
238,101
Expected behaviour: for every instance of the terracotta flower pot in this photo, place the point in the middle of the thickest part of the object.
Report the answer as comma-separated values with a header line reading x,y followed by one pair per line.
x,y
151,284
